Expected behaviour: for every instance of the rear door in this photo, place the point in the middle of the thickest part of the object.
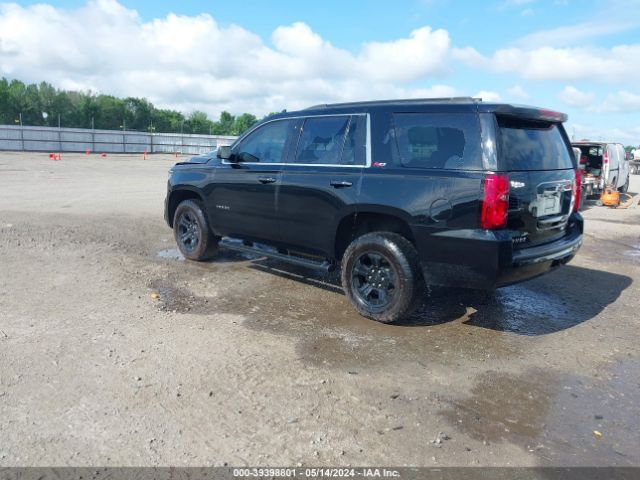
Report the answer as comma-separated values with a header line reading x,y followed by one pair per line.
x,y
322,179
624,166
614,164
537,156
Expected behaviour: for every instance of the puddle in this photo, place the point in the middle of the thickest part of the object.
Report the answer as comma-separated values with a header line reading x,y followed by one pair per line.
x,y
633,253
554,416
452,325
171,254
179,300
223,257
615,250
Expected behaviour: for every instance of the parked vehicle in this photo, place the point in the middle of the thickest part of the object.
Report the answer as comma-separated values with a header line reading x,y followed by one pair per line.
x,y
398,194
603,163
635,163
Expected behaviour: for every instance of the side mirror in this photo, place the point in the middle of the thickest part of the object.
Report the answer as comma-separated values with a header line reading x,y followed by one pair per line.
x,y
224,152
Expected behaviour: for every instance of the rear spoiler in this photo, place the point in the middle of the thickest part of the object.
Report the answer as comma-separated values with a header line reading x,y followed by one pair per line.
x,y
524,111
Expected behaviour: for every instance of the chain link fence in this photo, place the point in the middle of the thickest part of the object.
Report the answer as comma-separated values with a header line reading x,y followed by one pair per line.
x,y
50,139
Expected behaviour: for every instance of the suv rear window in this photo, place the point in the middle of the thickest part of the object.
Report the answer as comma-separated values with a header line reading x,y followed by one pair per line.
x,y
532,145
438,140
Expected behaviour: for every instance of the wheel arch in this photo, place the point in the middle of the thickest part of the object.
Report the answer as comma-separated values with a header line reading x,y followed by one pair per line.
x,y
179,195
370,219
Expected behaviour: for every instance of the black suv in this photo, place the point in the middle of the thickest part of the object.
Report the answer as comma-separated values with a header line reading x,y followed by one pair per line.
x,y
454,192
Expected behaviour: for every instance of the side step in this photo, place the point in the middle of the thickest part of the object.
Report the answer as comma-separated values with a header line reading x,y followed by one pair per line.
x,y
239,246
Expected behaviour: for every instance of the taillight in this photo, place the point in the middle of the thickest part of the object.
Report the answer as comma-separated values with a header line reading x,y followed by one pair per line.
x,y
577,190
606,158
495,203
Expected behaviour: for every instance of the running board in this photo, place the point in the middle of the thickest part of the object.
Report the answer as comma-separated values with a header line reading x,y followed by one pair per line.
x,y
239,246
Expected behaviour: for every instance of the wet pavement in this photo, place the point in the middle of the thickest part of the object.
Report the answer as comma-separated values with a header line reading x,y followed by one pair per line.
x,y
115,350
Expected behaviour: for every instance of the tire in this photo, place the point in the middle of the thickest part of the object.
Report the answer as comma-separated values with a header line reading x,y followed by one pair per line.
x,y
625,187
192,233
392,261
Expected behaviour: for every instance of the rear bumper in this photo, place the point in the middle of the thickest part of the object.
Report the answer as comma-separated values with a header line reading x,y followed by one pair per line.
x,y
487,259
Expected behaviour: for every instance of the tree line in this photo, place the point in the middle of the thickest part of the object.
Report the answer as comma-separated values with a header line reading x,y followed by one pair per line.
x,y
43,105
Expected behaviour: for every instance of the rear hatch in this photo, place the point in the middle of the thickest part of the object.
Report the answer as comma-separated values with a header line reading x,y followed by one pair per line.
x,y
591,159
537,157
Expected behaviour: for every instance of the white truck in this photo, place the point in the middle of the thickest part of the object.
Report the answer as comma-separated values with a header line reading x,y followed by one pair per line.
x,y
602,164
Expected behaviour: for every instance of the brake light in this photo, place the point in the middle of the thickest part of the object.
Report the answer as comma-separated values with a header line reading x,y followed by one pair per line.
x,y
495,203
577,190
606,158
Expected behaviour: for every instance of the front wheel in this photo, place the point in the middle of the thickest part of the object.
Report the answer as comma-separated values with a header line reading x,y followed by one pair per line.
x,y
381,276
192,233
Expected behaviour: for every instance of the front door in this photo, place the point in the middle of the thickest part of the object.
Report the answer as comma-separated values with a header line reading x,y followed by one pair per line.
x,y
242,200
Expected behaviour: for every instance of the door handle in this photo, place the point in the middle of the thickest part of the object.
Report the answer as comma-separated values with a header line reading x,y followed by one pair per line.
x,y
266,179
340,184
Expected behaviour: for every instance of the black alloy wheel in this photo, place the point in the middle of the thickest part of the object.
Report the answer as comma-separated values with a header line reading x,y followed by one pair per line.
x,y
382,277
188,231
192,233
374,280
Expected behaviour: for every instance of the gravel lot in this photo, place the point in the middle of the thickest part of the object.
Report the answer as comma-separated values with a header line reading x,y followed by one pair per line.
x,y
246,361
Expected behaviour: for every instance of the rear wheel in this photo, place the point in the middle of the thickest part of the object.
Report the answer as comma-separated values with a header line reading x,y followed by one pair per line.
x,y
381,276
192,233
625,187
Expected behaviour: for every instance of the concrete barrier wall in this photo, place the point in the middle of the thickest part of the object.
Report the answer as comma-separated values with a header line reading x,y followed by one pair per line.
x,y
51,139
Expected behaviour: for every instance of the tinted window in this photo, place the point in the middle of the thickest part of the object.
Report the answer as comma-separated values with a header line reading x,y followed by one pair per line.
x,y
438,140
353,152
266,144
328,141
532,145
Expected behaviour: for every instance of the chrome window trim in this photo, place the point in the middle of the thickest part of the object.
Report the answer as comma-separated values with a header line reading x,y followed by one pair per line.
x,y
367,142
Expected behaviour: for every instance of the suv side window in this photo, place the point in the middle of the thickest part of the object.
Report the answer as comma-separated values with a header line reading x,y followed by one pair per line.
x,y
331,140
266,144
438,140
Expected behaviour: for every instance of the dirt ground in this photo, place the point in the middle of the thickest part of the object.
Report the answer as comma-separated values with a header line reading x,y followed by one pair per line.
x,y
246,361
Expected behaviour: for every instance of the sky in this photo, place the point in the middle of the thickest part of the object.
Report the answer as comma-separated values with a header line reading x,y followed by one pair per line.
x,y
581,57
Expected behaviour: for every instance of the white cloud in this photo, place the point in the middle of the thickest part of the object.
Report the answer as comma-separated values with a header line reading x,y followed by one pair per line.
x,y
574,34
517,92
576,98
621,101
613,65
488,96
188,62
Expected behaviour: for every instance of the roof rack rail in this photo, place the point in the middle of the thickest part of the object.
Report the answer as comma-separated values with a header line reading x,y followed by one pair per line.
x,y
405,101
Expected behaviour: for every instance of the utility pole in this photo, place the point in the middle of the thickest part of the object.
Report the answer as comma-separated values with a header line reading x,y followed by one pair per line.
x,y
59,135
181,135
21,132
